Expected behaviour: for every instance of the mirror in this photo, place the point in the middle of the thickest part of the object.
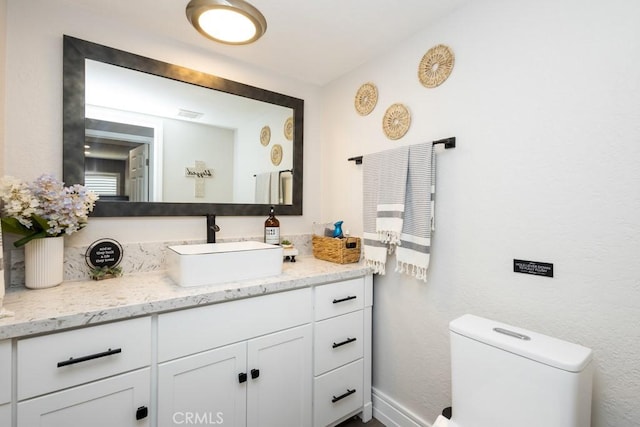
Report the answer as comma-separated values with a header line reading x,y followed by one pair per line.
x,y
227,148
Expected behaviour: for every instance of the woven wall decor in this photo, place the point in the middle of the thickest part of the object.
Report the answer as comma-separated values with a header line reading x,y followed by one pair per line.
x,y
366,99
436,66
276,154
265,135
288,129
396,121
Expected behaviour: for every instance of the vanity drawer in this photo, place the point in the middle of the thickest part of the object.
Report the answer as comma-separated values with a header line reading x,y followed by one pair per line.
x,y
338,341
65,359
190,331
5,371
338,393
339,298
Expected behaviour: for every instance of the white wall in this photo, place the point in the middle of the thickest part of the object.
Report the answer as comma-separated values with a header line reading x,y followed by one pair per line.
x,y
184,143
33,131
544,102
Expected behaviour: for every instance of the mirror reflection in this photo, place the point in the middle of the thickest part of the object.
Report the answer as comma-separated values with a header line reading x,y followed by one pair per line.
x,y
154,138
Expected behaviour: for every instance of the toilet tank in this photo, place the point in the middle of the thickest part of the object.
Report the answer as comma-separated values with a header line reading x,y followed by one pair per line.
x,y
505,376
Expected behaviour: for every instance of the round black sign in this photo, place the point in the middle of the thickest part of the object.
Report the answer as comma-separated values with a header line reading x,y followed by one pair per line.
x,y
104,253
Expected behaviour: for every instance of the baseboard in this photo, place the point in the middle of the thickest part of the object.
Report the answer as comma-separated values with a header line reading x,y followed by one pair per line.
x,y
392,414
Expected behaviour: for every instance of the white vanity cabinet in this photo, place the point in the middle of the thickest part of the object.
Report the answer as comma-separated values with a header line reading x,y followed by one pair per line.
x,y
295,353
241,363
342,351
97,376
5,383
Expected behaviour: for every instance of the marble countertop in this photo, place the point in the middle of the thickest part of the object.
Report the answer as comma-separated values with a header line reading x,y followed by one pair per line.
x,y
80,303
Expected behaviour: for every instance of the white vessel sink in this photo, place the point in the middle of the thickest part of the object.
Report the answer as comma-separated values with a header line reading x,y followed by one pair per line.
x,y
213,263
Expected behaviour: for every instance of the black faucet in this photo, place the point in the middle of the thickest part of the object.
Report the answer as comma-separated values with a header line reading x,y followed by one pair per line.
x,y
212,228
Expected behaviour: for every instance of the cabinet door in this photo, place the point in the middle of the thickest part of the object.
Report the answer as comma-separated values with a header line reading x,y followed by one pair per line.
x,y
204,388
280,393
107,403
5,372
5,414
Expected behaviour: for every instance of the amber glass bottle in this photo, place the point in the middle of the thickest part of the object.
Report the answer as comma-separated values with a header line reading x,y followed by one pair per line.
x,y
272,229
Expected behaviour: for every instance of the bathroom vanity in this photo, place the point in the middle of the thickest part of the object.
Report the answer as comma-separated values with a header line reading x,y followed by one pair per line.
x,y
5,383
289,350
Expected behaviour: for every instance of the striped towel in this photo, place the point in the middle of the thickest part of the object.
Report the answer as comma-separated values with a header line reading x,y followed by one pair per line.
x,y
392,184
404,176
384,185
413,252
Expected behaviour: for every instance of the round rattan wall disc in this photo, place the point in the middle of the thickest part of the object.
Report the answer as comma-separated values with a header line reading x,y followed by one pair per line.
x,y
276,154
396,121
265,135
366,98
436,66
288,129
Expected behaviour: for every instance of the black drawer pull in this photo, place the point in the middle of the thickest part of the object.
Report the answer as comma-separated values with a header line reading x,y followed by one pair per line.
x,y
347,341
72,361
242,377
255,373
349,298
342,396
142,412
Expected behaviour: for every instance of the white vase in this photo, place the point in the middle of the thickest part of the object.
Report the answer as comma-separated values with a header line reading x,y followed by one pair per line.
x,y
44,262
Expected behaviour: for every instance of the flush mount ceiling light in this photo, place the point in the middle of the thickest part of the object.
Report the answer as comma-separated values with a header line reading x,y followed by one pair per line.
x,y
227,21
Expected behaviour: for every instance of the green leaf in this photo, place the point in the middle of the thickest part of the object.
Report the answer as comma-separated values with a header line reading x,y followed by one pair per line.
x,y
38,231
27,239
40,223
12,225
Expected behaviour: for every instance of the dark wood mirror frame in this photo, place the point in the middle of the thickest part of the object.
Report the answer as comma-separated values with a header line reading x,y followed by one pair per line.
x,y
76,51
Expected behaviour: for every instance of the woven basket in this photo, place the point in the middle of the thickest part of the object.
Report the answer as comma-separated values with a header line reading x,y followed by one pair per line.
x,y
336,250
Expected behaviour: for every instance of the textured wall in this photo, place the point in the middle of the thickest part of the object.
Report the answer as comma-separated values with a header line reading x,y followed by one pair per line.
x,y
544,103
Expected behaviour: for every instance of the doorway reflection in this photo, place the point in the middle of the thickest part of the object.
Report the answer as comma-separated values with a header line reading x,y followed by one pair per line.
x,y
118,159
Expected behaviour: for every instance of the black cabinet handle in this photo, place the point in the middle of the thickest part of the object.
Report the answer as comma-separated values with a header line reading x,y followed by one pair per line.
x,y
349,298
255,373
72,361
347,341
342,396
242,377
142,413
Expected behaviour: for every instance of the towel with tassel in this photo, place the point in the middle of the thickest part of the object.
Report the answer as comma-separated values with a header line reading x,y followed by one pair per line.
x,y
384,185
392,185
398,196
414,250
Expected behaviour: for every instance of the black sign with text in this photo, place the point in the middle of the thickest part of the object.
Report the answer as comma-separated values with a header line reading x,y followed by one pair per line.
x,y
533,267
104,253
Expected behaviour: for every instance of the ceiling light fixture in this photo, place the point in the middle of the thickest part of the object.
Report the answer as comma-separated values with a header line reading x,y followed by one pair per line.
x,y
227,21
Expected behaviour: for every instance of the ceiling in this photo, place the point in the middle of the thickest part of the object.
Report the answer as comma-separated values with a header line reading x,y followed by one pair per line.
x,y
308,40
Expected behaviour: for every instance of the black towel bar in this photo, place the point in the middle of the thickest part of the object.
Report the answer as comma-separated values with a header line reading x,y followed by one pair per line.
x,y
448,143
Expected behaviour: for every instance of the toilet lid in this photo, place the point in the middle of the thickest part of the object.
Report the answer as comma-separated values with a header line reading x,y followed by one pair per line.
x,y
541,348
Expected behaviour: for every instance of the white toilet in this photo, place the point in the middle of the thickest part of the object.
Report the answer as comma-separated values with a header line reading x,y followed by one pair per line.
x,y
504,376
